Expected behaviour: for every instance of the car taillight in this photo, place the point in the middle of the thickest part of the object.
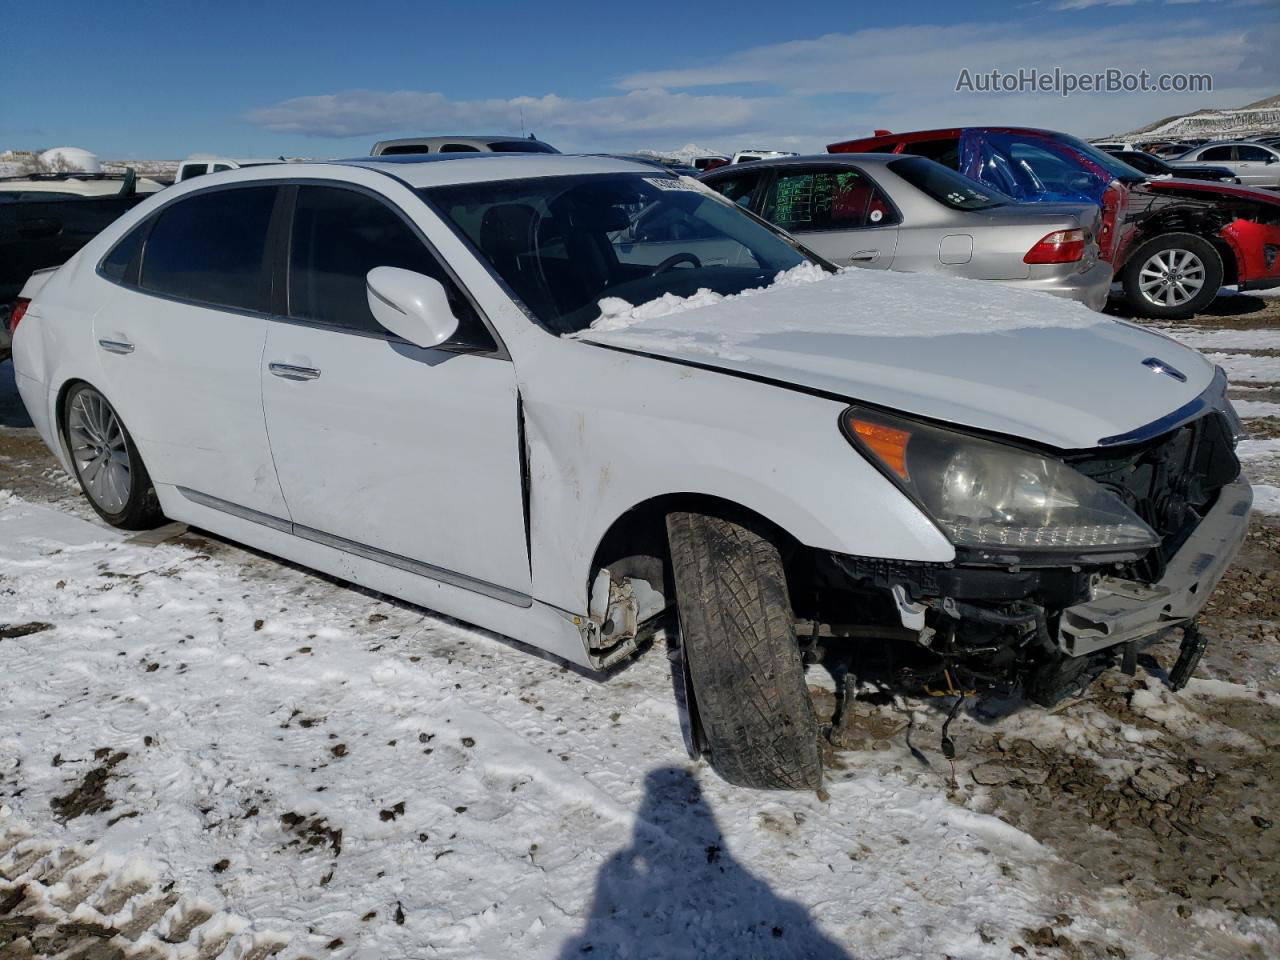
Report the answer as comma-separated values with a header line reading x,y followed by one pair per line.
x,y
1061,246
19,309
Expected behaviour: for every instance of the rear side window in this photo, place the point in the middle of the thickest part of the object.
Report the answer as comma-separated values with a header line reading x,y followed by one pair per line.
x,y
340,235
826,200
405,148
945,152
948,187
521,146
1216,153
209,248
459,148
117,264
194,170
737,188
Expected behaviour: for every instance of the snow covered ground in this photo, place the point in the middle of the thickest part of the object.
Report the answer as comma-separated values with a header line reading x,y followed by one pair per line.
x,y
237,757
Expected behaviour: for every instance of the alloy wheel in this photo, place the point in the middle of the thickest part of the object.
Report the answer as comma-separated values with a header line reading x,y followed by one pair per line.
x,y
99,450
1171,278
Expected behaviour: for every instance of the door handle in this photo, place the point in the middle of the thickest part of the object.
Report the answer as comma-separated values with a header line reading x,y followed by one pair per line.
x,y
289,372
865,256
116,346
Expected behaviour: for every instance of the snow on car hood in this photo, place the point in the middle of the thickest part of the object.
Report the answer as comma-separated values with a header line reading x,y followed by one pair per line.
x,y
968,352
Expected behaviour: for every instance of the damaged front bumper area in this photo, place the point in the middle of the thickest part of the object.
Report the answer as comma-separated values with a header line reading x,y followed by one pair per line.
x,y
1121,610
1041,624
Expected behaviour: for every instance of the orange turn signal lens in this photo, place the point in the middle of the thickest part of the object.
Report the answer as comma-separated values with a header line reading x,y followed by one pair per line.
x,y
889,444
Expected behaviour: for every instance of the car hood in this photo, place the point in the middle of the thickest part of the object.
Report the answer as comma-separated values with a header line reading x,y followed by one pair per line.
x,y
1220,189
967,352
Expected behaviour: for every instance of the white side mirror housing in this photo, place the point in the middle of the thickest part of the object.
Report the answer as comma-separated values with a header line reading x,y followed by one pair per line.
x,y
410,305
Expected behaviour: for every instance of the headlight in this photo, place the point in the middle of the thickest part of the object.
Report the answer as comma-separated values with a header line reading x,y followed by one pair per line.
x,y
988,495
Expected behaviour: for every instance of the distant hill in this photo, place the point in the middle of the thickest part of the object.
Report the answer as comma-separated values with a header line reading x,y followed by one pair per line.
x,y
1261,116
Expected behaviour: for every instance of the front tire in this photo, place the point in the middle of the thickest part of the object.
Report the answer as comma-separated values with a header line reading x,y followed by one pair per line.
x,y
740,646
106,461
1172,277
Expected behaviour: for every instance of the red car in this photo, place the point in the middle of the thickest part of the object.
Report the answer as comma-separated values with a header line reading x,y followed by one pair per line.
x,y
1172,243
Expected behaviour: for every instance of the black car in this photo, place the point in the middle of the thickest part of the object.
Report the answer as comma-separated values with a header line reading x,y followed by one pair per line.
x,y
45,229
1153,166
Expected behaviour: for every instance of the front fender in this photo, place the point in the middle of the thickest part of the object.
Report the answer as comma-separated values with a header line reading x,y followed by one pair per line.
x,y
606,430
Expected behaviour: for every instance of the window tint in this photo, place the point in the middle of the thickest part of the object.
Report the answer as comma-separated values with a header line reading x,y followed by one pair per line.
x,y
459,148
209,248
194,170
1216,153
947,186
338,237
521,146
737,188
1252,154
405,148
945,152
115,266
826,200
219,167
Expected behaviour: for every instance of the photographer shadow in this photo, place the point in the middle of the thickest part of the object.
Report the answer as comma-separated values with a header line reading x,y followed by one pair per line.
x,y
675,892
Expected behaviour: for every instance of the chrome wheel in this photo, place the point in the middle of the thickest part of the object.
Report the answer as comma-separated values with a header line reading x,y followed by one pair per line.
x,y
1171,278
99,450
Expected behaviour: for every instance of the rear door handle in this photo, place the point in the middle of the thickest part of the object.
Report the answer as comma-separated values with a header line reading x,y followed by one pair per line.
x,y
865,256
116,346
289,372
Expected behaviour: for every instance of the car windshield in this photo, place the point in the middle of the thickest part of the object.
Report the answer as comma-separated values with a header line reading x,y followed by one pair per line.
x,y
1113,165
948,187
564,243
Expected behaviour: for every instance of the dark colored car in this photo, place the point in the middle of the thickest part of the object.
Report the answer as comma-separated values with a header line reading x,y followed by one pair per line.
x,y
1153,166
1172,243
37,232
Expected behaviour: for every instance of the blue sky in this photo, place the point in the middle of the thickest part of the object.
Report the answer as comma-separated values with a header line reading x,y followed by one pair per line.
x,y
327,78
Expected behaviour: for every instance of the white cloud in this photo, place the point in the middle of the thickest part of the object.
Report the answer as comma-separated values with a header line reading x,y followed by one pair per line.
x,y
836,86
649,112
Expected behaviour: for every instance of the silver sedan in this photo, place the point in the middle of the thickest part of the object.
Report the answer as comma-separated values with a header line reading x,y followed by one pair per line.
x,y
908,213
1256,164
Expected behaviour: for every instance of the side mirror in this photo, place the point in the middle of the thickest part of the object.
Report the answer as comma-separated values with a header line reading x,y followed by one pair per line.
x,y
410,305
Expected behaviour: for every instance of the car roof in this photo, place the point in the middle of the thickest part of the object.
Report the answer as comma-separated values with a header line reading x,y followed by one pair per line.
x,y
436,170
470,138
827,159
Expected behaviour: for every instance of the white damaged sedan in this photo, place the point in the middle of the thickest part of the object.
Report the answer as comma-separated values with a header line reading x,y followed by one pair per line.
x,y
566,397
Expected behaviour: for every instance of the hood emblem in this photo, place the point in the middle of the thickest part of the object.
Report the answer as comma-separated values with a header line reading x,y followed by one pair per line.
x,y
1156,365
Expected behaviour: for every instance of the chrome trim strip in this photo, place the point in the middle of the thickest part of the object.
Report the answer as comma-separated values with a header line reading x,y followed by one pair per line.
x,y
1212,398
417,567
116,346
244,513
432,572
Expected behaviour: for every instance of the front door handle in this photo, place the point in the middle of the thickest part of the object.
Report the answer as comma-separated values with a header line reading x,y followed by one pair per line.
x,y
116,346
289,372
865,256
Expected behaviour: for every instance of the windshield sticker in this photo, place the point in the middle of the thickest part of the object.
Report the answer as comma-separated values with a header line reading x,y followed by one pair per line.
x,y
876,216
680,183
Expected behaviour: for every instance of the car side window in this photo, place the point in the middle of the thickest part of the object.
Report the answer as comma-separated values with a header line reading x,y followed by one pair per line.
x,y
338,236
738,188
1216,153
209,248
459,148
945,151
826,200
194,170
117,264
1252,154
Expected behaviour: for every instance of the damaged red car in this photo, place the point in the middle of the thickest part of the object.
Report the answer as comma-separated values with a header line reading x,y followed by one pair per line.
x,y
1172,243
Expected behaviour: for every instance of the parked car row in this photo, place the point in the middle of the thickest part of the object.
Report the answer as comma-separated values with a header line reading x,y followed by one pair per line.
x,y
1172,243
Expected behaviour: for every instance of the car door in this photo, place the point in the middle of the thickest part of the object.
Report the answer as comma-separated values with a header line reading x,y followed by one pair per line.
x,y
405,455
1257,166
180,331
838,212
1223,156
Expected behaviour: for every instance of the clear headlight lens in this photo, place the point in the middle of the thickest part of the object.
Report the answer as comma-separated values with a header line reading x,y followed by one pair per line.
x,y
986,494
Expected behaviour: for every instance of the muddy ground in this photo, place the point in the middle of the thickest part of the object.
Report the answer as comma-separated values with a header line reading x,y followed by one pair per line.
x,y
1170,798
